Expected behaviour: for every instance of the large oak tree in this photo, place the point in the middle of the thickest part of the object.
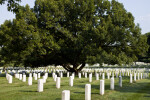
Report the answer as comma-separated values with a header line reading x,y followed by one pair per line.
x,y
72,33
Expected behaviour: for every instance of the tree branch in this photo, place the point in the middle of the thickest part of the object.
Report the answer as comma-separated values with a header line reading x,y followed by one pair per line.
x,y
82,66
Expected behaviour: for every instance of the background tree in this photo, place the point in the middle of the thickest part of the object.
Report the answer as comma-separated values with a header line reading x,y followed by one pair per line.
x,y
148,42
146,57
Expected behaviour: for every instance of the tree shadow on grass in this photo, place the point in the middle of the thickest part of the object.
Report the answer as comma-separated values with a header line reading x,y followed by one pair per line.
x,y
84,93
134,88
147,96
27,91
80,86
58,99
18,85
107,87
80,92
46,88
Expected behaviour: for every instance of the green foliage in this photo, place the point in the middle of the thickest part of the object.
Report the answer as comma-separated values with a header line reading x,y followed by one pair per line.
x,y
68,32
12,5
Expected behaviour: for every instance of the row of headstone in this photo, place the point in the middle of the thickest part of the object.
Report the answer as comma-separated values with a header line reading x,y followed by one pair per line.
x,y
117,71
105,70
19,76
57,79
109,72
9,78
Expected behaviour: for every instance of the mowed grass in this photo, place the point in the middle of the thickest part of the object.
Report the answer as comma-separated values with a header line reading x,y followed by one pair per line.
x,y
18,90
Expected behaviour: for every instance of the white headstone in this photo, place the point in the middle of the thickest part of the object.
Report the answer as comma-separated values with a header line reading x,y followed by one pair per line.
x,y
53,74
71,81
67,74
39,75
40,85
58,82
35,76
85,75
102,87
10,78
79,75
29,80
100,74
73,75
16,75
30,75
138,76
112,74
90,77
130,78
61,74
141,75
66,95
97,76
55,77
112,86
120,81
24,78
46,75
44,79
134,76
88,92
20,76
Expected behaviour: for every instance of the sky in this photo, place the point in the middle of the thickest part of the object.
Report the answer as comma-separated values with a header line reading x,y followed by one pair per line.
x,y
140,9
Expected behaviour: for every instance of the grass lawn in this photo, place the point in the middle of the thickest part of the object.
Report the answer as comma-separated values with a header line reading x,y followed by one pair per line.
x,y
19,90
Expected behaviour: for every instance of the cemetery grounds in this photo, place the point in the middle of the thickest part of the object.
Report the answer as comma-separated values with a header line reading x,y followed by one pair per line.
x,y
18,90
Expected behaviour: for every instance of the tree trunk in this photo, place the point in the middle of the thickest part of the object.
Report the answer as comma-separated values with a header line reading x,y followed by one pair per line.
x,y
4,68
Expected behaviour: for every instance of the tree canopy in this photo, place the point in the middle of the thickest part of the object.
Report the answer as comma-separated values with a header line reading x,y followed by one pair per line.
x,y
72,33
